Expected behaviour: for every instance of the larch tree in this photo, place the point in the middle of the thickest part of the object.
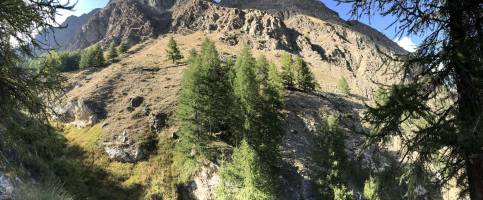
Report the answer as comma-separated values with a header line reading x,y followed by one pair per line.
x,y
288,74
122,48
440,94
173,53
304,78
22,88
245,178
112,53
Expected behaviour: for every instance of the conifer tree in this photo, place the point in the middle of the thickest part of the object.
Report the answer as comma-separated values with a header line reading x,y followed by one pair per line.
x,y
206,99
122,48
172,51
246,89
288,73
304,78
112,54
245,178
92,56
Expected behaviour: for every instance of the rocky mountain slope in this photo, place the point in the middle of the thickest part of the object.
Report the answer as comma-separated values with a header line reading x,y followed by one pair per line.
x,y
133,100
59,38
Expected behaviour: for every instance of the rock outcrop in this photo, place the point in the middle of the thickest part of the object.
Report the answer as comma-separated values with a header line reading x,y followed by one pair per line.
x,y
122,148
80,112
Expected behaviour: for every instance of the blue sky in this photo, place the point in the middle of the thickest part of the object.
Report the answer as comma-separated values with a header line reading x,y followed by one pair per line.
x,y
378,22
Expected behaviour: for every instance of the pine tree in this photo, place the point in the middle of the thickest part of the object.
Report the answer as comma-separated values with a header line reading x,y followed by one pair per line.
x,y
172,52
122,48
343,86
304,78
288,73
112,54
245,178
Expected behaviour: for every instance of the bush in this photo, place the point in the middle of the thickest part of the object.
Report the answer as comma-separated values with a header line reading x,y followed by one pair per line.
x,y
92,56
69,61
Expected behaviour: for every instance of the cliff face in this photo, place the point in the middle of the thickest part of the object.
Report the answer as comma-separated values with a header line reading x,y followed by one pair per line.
x,y
133,21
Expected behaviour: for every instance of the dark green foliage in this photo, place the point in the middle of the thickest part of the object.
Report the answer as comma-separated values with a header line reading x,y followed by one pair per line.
x,y
92,56
122,48
245,178
69,61
343,86
305,79
436,110
112,53
172,51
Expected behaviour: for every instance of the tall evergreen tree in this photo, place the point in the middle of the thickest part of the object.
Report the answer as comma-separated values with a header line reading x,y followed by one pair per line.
x,y
440,94
112,53
246,88
122,48
206,99
172,51
304,78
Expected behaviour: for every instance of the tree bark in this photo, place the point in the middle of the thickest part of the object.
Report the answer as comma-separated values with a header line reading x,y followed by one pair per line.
x,y
469,100
474,170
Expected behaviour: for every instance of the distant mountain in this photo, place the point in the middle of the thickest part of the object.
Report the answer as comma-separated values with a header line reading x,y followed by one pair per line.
x,y
59,38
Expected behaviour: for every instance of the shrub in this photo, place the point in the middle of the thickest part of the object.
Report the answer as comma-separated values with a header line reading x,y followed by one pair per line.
x,y
343,85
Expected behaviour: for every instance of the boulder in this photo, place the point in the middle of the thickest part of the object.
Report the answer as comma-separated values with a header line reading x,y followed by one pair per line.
x,y
136,101
158,121
80,112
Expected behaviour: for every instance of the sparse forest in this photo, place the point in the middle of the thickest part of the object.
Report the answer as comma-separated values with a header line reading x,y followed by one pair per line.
x,y
203,100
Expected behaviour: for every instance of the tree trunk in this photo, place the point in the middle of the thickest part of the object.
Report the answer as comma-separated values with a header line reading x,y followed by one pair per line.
x,y
474,170
469,99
